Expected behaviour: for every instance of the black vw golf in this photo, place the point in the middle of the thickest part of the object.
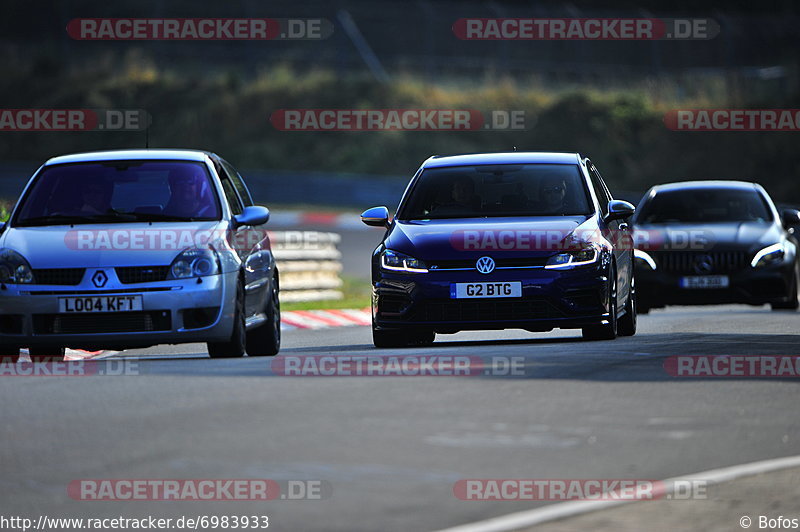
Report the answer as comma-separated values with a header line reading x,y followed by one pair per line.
x,y
503,240
714,242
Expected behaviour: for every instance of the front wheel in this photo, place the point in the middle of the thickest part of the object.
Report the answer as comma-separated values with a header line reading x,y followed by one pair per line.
x,y
402,337
606,331
791,303
265,340
236,345
46,354
627,324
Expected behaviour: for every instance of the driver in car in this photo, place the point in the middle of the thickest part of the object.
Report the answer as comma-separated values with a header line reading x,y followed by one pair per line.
x,y
188,194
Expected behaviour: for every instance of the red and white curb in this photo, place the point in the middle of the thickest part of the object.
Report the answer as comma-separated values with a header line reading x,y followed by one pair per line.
x,y
324,319
70,354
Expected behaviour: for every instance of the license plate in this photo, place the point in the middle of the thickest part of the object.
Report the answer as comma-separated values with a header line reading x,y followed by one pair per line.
x,y
100,304
705,281
478,290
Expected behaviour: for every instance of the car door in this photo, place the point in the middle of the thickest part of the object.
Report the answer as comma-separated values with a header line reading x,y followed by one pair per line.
x,y
618,232
251,243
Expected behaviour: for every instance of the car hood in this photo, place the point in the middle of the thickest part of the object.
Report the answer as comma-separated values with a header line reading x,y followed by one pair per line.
x,y
475,237
106,245
744,236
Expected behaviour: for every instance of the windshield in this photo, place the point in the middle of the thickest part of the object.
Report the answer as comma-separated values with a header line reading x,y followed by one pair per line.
x,y
707,205
497,191
118,192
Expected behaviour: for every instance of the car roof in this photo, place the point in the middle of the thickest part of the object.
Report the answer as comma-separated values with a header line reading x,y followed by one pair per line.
x,y
502,158
691,185
116,155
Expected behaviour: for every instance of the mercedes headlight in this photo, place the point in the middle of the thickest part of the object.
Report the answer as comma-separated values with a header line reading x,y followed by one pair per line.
x,y
773,254
195,262
14,269
394,261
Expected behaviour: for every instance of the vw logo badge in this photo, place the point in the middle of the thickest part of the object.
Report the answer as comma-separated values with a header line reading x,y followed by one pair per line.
x,y
485,265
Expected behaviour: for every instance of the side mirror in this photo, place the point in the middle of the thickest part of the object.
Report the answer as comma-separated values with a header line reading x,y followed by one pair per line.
x,y
790,217
619,210
253,215
376,217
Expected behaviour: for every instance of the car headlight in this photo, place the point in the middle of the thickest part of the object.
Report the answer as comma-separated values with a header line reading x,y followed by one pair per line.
x,y
394,261
579,257
773,254
645,257
14,269
194,262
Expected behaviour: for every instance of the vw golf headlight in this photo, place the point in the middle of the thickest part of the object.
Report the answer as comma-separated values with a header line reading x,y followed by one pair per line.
x,y
394,261
773,254
14,269
578,257
195,262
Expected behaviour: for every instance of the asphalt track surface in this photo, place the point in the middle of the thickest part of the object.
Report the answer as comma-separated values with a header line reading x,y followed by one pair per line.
x,y
390,449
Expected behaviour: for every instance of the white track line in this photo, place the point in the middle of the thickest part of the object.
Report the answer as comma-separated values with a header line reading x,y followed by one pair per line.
x,y
563,510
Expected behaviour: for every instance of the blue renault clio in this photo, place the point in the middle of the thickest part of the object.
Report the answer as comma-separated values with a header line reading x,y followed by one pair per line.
x,y
530,241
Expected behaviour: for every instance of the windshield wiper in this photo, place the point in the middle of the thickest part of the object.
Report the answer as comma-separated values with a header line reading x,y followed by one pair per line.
x,y
158,217
65,219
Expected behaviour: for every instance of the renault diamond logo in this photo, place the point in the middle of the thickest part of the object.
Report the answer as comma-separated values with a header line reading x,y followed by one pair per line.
x,y
100,278
703,264
485,265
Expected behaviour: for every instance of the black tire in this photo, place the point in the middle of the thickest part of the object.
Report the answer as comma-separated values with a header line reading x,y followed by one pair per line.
x,y
235,347
627,324
46,354
265,340
384,338
606,331
792,303
9,354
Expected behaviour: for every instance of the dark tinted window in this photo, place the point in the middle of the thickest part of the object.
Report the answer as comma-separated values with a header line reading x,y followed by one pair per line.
x,y
705,205
168,188
600,190
497,190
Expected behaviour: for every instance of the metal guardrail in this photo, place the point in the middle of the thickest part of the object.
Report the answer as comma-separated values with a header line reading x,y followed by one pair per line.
x,y
309,264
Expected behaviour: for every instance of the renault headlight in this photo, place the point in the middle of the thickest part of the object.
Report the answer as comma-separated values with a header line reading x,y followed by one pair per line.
x,y
14,269
394,261
194,262
578,257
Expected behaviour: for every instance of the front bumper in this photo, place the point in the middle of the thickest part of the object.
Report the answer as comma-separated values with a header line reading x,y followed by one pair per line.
x,y
173,312
750,286
551,298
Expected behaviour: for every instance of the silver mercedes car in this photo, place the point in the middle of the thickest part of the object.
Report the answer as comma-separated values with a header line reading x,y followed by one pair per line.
x,y
134,248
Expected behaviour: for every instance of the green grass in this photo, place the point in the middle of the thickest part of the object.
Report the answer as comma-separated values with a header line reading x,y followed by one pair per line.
x,y
356,295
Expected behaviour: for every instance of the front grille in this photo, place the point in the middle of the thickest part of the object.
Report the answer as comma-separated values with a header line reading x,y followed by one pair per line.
x,y
142,274
692,262
98,323
523,262
58,276
485,311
